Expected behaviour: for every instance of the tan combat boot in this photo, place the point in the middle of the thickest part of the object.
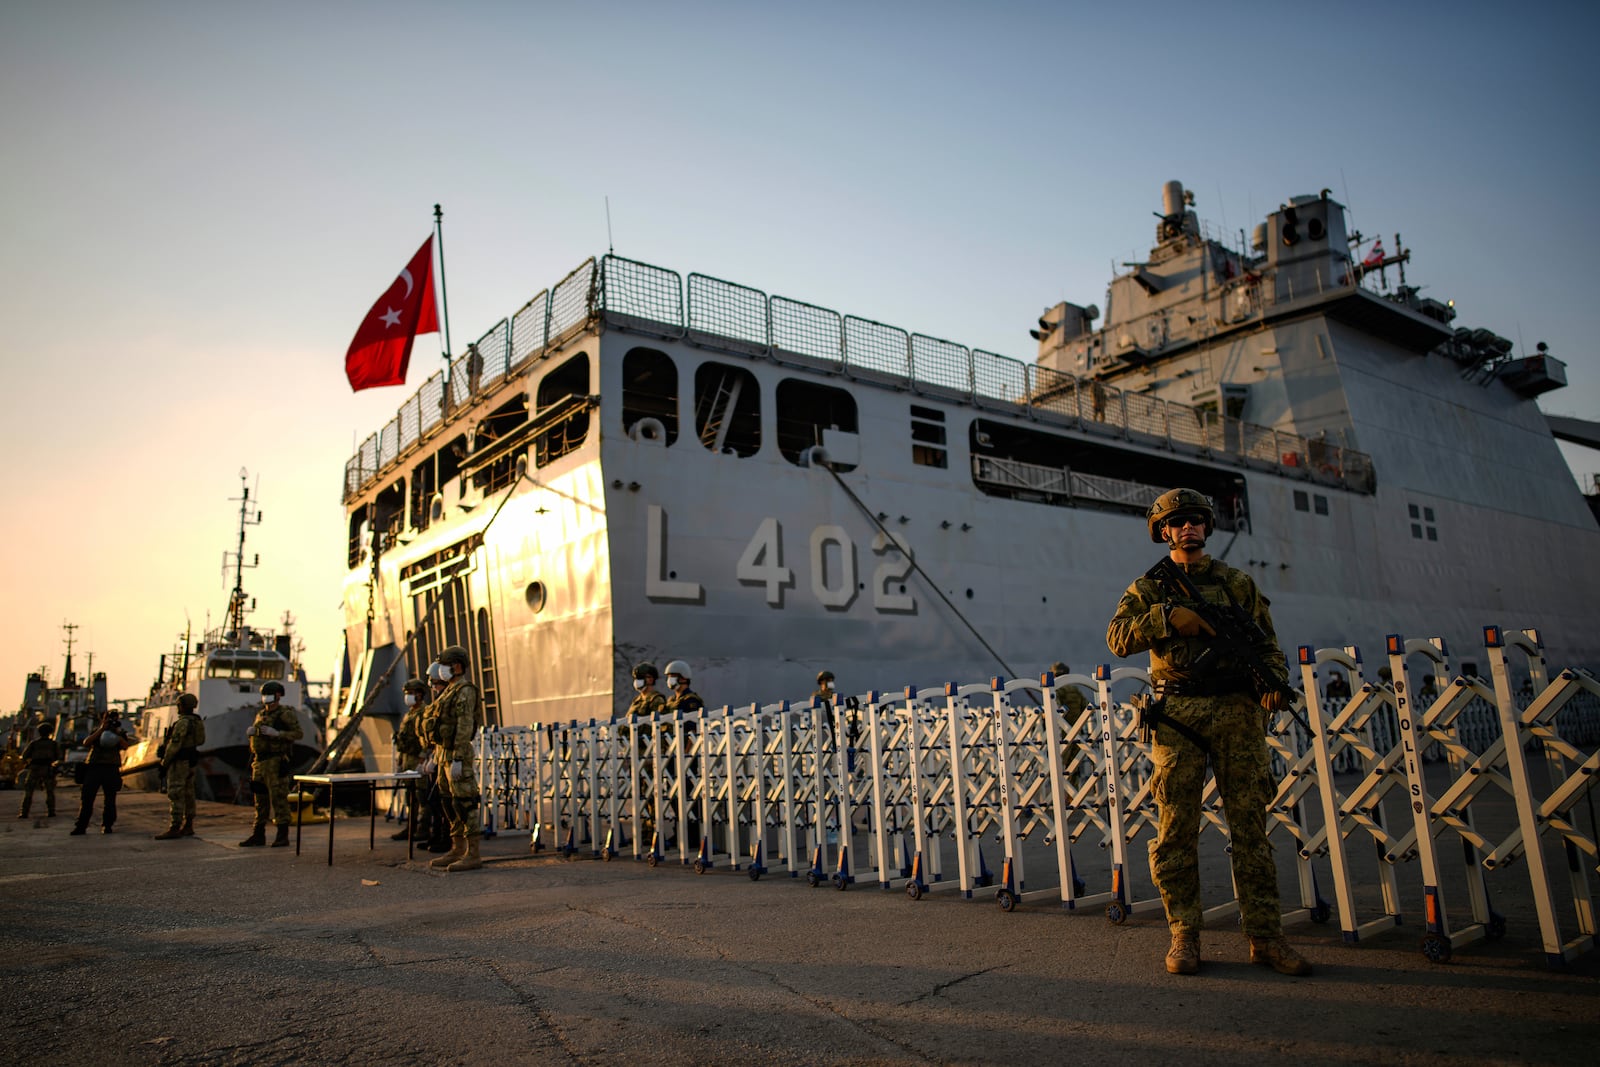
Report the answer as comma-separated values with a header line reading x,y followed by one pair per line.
x,y
187,830
1275,952
458,848
170,833
469,862
1184,955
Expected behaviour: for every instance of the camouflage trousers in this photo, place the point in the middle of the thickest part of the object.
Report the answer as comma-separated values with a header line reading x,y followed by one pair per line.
x,y
269,788
460,797
41,779
180,791
1234,727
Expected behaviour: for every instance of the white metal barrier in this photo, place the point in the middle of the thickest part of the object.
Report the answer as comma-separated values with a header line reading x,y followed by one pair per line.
x,y
921,790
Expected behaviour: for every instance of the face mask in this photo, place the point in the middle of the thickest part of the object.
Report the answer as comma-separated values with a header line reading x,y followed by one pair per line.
x,y
638,683
828,686
269,701
411,700
672,681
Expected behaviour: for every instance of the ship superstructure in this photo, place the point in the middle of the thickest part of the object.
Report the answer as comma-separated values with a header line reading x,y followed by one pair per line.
x,y
225,670
640,465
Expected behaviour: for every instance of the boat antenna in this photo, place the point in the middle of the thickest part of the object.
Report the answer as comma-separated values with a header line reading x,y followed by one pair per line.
x,y
236,599
611,247
444,293
67,679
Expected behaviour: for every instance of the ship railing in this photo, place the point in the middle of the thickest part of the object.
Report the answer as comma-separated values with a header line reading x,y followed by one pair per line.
x,y
712,312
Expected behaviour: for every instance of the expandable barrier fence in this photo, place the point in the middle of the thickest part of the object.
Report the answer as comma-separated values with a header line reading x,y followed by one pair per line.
x,y
995,787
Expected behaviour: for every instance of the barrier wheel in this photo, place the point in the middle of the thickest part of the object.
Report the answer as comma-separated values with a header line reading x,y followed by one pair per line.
x,y
755,874
699,867
812,880
913,890
1320,913
1436,948
839,883
653,860
1007,899
1116,913
1495,928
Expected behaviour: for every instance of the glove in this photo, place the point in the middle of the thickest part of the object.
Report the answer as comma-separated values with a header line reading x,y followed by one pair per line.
x,y
267,731
250,732
1275,701
455,769
427,767
1187,622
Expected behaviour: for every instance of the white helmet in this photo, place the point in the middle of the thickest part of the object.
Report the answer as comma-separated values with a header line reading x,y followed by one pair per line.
x,y
677,669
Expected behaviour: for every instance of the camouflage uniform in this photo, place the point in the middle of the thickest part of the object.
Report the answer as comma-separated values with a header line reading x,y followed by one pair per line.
x,y
269,766
455,720
647,702
1232,722
408,736
687,702
179,757
40,767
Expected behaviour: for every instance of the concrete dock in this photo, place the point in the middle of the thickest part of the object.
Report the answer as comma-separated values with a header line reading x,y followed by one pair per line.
x,y
121,949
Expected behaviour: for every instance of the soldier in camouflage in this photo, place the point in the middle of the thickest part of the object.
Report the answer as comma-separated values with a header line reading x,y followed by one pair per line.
x,y
272,736
647,701
179,755
408,746
1220,707
457,717
39,760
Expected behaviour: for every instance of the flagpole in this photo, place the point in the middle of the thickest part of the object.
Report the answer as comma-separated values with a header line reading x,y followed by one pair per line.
x,y
444,294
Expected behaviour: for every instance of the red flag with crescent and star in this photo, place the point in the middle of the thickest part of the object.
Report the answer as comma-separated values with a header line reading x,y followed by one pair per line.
x,y
381,350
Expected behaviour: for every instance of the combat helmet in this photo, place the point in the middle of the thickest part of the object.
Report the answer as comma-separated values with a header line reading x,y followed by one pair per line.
x,y
824,676
272,689
646,670
1174,501
680,668
415,685
454,656
1058,667
187,702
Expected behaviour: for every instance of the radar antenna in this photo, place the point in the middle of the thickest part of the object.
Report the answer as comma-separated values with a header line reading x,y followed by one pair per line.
x,y
236,599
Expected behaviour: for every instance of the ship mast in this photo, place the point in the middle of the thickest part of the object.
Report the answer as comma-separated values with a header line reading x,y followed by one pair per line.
x,y
236,599
67,680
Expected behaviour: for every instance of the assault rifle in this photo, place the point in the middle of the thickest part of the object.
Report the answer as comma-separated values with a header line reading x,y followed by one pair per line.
x,y
1235,633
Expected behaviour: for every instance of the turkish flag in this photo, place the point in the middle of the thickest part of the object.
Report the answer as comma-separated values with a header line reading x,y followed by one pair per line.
x,y
382,346
1374,258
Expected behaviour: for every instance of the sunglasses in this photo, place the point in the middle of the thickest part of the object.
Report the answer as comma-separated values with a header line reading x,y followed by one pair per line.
x,y
1178,522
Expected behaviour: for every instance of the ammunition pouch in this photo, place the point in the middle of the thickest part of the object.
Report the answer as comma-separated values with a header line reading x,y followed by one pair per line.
x,y
1146,710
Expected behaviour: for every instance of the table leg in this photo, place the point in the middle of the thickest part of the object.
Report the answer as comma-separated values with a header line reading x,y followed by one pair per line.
x,y
331,816
372,817
411,820
299,819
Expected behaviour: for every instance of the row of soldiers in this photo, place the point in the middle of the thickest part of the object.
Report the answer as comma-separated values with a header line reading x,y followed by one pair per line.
x,y
442,716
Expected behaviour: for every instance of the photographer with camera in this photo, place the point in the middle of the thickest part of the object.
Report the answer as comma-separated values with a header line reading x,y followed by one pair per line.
x,y
102,772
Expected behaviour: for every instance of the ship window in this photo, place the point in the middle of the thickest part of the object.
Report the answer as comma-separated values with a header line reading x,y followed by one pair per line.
x,y
727,409
1415,512
1424,529
927,437
424,483
493,438
1433,533
650,391
1320,504
805,410
389,508
1301,503
358,536
1416,530
1427,514
566,387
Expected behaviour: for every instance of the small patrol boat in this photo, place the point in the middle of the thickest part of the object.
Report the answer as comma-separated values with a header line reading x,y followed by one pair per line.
x,y
644,465
225,671
74,708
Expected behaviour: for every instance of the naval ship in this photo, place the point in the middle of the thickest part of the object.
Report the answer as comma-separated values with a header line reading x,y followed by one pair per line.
x,y
224,670
645,466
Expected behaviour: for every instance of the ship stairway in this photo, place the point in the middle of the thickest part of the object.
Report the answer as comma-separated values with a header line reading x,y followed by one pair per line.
x,y
713,416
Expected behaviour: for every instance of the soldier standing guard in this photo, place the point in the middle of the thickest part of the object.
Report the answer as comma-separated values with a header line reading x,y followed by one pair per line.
x,y
39,765
1211,711
683,698
408,746
179,756
457,718
272,737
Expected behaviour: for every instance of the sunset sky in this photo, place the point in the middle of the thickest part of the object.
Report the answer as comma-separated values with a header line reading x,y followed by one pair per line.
x,y
205,198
